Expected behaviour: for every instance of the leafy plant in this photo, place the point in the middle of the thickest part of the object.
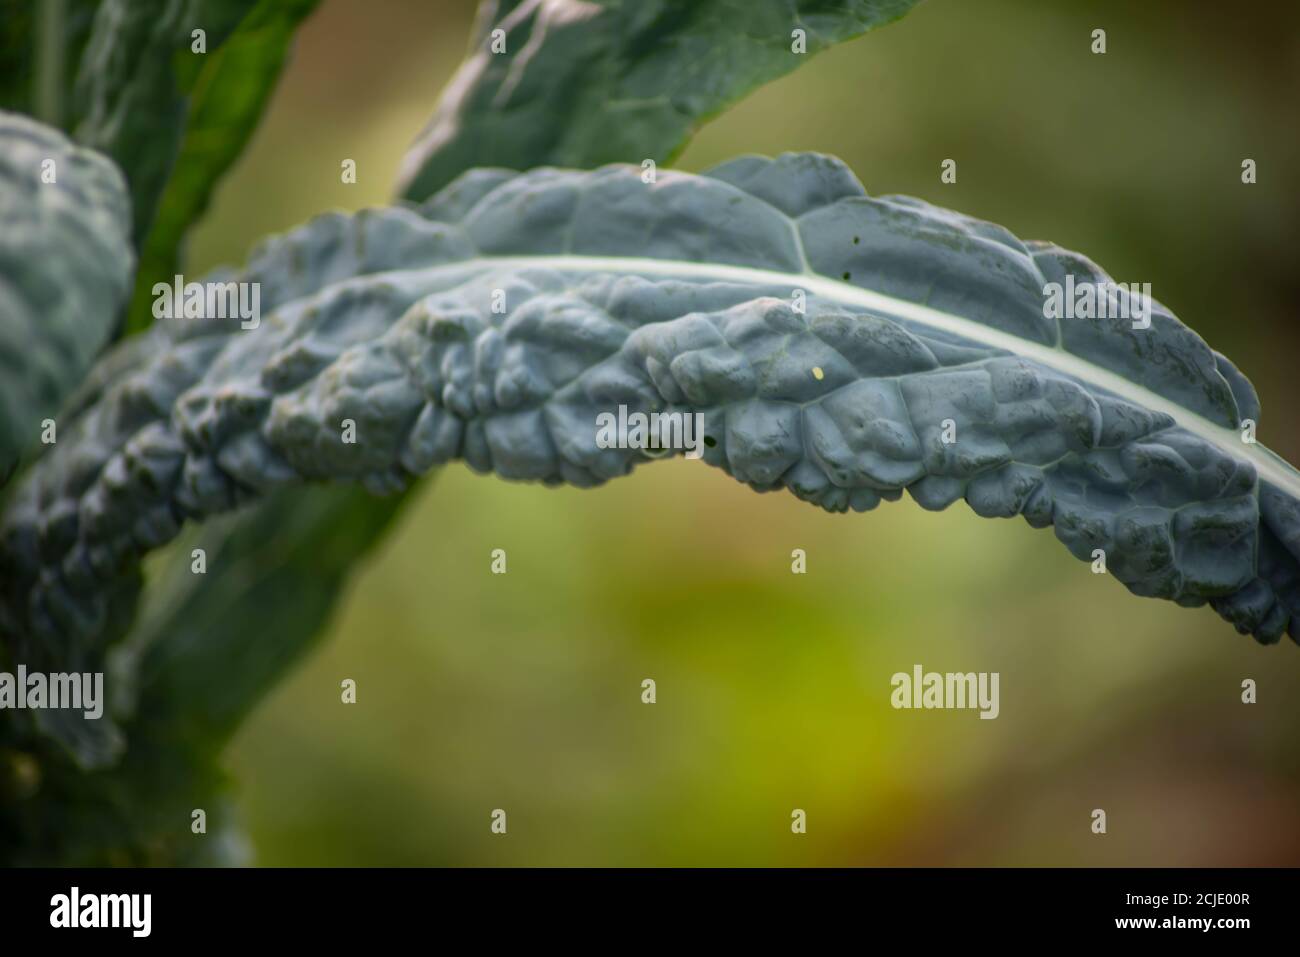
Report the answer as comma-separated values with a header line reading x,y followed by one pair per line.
x,y
845,347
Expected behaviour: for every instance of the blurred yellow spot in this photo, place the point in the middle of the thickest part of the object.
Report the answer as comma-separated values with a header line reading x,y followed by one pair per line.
x,y
817,372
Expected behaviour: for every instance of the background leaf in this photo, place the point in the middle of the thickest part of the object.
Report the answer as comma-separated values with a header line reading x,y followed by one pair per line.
x,y
144,97
587,82
65,267
134,82
226,103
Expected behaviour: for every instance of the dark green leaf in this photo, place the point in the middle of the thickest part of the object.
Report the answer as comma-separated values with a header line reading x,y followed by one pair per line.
x,y
227,103
65,268
145,97
586,82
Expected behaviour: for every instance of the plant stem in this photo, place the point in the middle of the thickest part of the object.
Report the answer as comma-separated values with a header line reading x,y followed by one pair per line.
x,y
47,98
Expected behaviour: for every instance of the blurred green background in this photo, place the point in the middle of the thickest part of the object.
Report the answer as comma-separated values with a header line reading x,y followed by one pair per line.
x,y
522,691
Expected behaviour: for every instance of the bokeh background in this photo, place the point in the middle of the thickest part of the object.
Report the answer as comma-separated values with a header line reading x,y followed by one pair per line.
x,y
522,691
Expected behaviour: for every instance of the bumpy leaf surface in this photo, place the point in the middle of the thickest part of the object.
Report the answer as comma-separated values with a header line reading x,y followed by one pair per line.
x,y
65,268
586,82
498,321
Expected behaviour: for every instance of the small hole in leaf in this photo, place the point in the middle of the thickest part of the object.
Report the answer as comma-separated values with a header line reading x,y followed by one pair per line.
x,y
710,441
856,240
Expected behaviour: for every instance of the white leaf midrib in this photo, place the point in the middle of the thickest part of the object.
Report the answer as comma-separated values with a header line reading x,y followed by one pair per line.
x,y
1268,465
